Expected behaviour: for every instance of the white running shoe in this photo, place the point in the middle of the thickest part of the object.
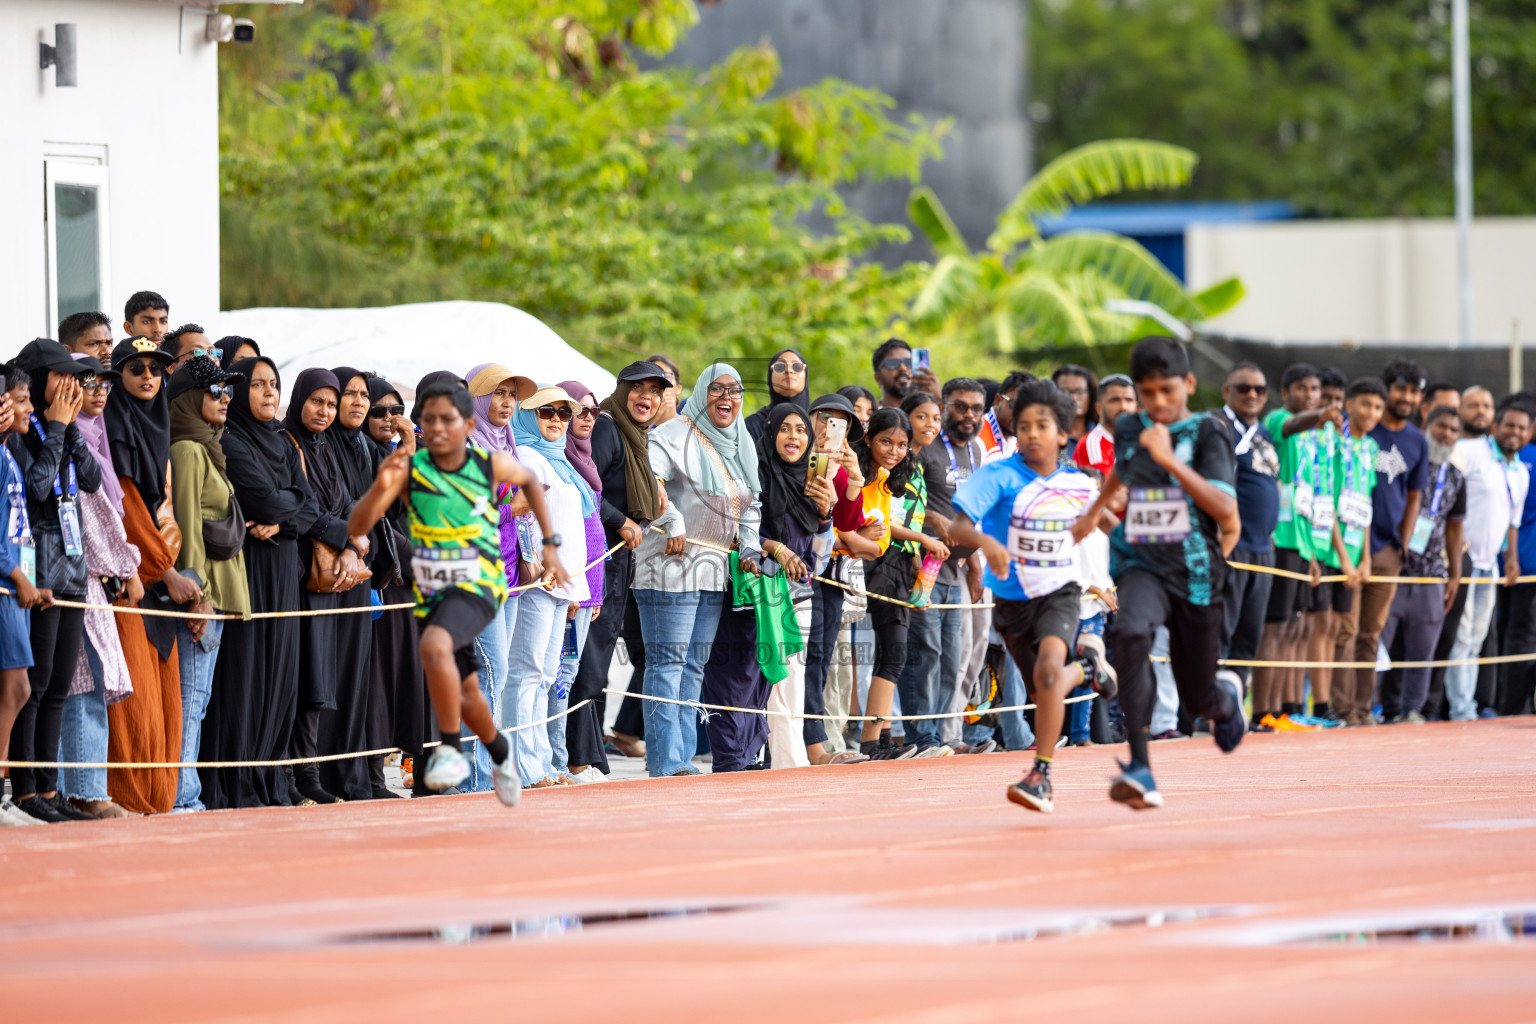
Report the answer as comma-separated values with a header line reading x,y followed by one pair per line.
x,y
589,775
506,782
10,814
446,768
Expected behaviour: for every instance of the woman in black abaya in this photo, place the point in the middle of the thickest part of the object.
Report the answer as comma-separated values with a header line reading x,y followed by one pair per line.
x,y
789,383
397,708
333,649
255,684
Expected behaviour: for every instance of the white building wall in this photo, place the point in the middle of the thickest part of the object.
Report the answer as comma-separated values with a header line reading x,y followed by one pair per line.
x,y
1369,280
147,106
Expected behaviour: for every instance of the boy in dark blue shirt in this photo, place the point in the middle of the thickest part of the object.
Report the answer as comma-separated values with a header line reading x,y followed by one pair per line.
x,y
1168,556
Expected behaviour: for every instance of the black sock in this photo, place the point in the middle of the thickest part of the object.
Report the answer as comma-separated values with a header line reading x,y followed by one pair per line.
x,y
1289,708
1320,708
450,739
1138,742
498,748
1043,766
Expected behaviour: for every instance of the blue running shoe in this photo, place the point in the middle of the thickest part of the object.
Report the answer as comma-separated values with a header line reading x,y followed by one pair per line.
x,y
1135,787
1229,734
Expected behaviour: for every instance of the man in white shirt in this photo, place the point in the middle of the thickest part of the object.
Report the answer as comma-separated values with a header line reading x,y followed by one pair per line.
x,y
1497,482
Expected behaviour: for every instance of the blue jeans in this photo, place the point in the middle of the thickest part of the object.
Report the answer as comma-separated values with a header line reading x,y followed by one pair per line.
x,y
1461,680
679,629
84,736
534,665
1080,714
492,649
1017,735
1165,712
197,660
933,661
560,694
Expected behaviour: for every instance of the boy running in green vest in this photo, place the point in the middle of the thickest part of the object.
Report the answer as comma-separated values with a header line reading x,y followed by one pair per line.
x,y
456,565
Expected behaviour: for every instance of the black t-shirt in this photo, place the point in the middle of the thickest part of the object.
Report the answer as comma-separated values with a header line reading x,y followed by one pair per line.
x,y
1190,565
1452,491
942,478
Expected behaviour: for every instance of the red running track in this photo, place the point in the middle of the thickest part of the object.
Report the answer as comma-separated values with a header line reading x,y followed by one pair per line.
x,y
907,891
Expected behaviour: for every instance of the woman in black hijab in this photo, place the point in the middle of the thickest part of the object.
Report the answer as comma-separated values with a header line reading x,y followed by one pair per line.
x,y
235,349
256,682
788,383
792,520
397,702
333,649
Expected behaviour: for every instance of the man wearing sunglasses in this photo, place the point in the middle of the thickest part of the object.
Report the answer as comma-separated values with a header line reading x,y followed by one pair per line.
x,y
188,342
893,371
1246,601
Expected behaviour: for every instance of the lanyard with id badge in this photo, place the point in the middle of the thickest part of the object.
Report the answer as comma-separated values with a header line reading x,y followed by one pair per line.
x,y
1354,507
1424,526
69,511
18,529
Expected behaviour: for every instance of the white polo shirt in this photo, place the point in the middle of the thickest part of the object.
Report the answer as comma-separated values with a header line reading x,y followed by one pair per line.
x,y
1496,489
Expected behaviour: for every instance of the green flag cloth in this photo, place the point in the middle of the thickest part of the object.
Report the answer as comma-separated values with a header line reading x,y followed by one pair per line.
x,y
778,634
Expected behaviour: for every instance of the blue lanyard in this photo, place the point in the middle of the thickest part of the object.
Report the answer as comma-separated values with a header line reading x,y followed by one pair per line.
x,y
18,499
1351,461
1434,504
1503,464
69,461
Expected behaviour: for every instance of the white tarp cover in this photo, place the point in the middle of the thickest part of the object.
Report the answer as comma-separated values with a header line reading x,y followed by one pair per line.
x,y
405,343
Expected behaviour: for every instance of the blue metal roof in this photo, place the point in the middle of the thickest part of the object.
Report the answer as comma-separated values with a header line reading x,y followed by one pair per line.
x,y
1141,219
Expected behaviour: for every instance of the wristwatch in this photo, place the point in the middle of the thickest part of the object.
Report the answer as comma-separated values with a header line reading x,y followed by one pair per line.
x,y
552,541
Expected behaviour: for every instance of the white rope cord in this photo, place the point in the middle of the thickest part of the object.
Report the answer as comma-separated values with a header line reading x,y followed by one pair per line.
x,y
696,705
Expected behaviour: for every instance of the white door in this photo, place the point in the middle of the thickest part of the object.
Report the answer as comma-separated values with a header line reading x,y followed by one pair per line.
x,y
78,245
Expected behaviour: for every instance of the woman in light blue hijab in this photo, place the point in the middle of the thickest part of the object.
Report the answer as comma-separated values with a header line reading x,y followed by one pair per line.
x,y
708,464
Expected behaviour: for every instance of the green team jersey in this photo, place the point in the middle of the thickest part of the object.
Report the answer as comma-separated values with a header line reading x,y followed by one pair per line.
x,y
910,509
1289,450
1354,479
1317,453
455,530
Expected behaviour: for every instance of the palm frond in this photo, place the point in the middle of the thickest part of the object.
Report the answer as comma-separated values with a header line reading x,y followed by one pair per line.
x,y
933,220
1123,261
949,287
1048,309
1220,297
1090,172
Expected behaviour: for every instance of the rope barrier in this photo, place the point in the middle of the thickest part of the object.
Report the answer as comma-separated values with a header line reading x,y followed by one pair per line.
x,y
1501,659
696,705
1269,570
275,762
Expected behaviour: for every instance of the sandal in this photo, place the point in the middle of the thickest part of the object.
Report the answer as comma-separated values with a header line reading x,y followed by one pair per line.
x,y
629,746
848,757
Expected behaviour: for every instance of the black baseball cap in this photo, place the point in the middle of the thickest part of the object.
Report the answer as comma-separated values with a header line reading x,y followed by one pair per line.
x,y
45,354
643,370
139,348
88,367
200,373
837,403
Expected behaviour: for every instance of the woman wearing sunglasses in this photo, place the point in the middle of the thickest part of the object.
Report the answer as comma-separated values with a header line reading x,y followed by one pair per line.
x,y
788,381
496,391
540,425
708,464
212,535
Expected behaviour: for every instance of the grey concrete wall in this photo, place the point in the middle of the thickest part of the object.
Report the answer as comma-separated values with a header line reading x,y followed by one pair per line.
x,y
940,58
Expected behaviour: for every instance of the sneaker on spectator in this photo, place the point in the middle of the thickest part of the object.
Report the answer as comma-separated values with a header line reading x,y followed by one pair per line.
x,y
985,747
1409,718
589,775
10,814
934,750
1487,713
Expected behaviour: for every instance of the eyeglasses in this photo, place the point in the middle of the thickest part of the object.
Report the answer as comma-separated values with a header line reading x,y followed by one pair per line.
x,y
726,391
211,353
221,390
784,367
384,412
139,367
975,409
551,412
1075,392
98,385
1251,389
897,364
586,412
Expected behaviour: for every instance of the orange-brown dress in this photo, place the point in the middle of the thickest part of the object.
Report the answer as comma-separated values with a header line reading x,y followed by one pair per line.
x,y
147,725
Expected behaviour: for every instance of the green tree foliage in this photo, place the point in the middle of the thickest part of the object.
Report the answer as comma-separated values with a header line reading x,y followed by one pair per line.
x,y
511,150
1028,293
1342,106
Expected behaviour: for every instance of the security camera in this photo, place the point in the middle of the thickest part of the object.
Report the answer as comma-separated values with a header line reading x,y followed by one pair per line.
x,y
245,30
